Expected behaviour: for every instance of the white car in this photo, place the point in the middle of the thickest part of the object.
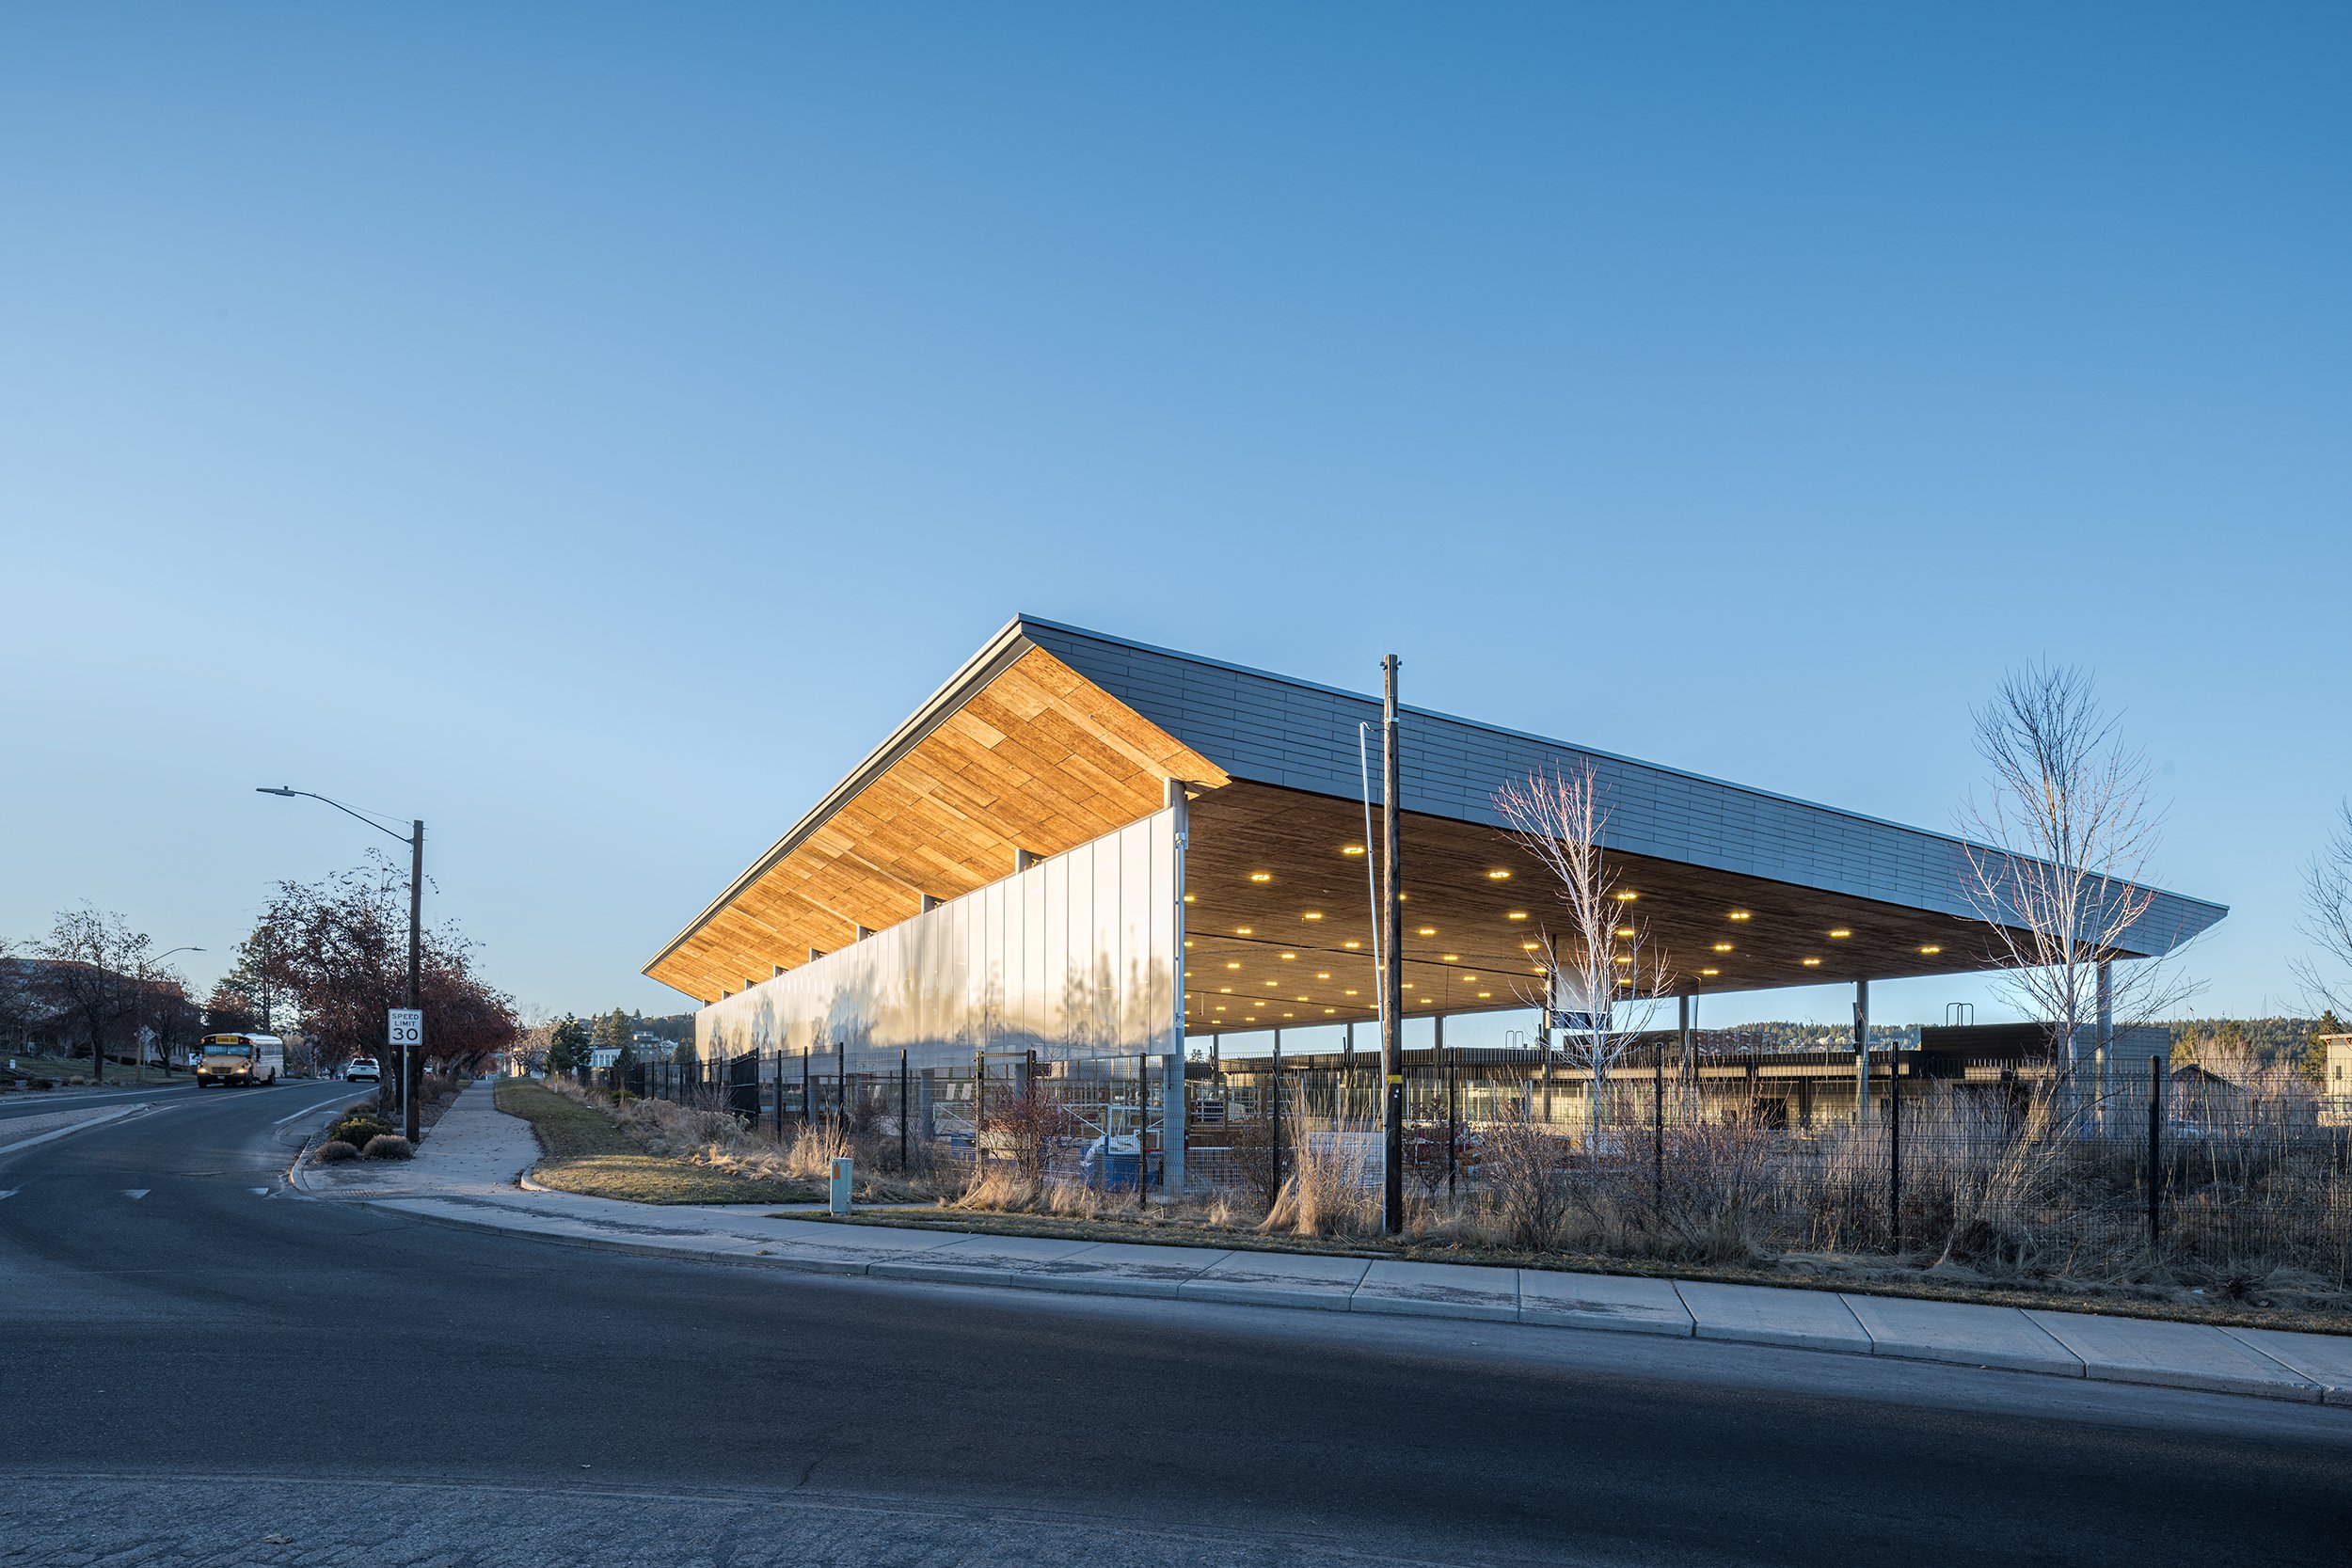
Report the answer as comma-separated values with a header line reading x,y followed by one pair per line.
x,y
363,1067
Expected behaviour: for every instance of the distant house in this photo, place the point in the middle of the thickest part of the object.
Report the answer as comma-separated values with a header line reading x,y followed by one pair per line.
x,y
2335,1080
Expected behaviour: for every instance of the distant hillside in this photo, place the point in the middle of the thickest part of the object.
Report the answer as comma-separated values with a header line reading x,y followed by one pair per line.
x,y
1780,1035
2268,1037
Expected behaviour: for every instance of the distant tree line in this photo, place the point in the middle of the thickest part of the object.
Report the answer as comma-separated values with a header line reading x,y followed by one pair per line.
x,y
325,959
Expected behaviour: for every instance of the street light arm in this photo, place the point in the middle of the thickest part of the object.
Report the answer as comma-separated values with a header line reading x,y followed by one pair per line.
x,y
290,793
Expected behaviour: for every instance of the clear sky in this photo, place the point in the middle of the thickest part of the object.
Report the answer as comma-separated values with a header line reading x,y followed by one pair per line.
x,y
592,428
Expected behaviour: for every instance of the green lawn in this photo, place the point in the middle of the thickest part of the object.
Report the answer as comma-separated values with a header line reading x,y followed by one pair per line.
x,y
590,1154
62,1069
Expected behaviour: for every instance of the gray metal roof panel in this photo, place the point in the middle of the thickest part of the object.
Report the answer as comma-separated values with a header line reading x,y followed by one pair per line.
x,y
1274,729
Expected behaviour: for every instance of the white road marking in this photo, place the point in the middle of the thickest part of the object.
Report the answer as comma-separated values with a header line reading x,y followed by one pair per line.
x,y
263,1191
307,1110
135,1192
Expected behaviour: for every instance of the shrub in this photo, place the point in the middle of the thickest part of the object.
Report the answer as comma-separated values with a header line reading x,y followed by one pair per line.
x,y
358,1128
390,1145
334,1150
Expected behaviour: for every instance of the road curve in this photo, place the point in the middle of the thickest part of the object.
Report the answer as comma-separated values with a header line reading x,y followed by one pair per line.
x,y
173,1317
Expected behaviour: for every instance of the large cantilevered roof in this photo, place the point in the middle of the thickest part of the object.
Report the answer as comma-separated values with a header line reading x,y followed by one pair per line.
x,y
1051,735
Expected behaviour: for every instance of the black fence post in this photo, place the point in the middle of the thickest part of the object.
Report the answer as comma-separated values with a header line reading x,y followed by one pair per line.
x,y
2155,1153
1657,1128
1894,1147
1452,1115
1274,1108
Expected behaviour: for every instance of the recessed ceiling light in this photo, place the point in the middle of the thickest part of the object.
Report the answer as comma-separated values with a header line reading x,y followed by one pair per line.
x,y
1626,896
1187,941
1454,958
1271,982
1710,973
1812,963
1623,958
1528,946
1723,947
1298,999
1351,946
1930,950
1516,915
1288,956
1483,994
1428,931
1351,849
1347,993
1840,934
1232,963
1225,990
1322,975
1625,930
1498,875
1742,914
1244,931
1312,915
1189,898
1262,876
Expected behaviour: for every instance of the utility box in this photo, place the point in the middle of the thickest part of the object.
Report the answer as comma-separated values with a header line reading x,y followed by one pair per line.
x,y
840,1204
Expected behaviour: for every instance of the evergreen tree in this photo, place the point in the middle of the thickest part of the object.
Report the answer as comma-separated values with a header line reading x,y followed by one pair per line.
x,y
2315,1058
567,1046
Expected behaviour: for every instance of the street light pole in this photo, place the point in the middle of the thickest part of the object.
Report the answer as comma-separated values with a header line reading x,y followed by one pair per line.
x,y
411,1067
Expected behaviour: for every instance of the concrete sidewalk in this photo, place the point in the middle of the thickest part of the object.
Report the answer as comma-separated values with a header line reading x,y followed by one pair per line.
x,y
467,1174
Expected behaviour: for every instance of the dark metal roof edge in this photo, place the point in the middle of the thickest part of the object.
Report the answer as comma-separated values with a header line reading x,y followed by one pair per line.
x,y
2220,910
1011,642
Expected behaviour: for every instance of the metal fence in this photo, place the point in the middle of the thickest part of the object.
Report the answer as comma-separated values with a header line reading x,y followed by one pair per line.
x,y
2007,1165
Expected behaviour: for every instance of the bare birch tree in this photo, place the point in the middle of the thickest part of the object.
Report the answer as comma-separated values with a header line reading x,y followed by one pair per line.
x,y
1600,968
2327,921
2057,854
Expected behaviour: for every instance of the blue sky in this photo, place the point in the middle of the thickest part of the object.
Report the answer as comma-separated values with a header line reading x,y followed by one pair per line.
x,y
593,430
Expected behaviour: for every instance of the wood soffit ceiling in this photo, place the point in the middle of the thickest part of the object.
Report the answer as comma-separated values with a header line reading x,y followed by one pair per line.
x,y
1296,948
1039,759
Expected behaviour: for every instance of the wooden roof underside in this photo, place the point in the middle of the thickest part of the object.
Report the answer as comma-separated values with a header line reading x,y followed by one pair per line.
x,y
1037,759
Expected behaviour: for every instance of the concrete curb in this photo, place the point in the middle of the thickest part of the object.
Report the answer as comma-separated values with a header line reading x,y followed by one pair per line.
x,y
1814,1316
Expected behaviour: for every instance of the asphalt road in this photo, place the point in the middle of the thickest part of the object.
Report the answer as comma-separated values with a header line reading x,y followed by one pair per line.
x,y
30,1102
217,1371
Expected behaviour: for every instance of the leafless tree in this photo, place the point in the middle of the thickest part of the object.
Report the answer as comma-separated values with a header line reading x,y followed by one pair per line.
x,y
90,974
1599,967
2058,850
2327,921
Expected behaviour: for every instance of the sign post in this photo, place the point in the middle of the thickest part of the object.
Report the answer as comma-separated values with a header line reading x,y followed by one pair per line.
x,y
405,1030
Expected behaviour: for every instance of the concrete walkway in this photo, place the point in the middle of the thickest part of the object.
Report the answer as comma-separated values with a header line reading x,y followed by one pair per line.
x,y
468,1170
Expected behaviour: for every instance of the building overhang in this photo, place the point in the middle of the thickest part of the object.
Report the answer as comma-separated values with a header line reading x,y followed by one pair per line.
x,y
1051,735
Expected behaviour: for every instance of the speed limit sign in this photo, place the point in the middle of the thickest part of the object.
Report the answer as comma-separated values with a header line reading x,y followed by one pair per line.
x,y
407,1026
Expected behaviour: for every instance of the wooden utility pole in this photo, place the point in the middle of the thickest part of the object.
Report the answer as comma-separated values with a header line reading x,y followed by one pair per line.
x,y
412,1058
1391,963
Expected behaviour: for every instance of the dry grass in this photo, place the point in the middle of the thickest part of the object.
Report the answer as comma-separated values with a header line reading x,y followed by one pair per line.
x,y
660,1151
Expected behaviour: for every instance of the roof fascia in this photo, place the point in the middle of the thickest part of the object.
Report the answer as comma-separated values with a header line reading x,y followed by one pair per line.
x,y
997,656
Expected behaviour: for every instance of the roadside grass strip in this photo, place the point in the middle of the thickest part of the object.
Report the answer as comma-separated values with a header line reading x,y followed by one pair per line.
x,y
589,1154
